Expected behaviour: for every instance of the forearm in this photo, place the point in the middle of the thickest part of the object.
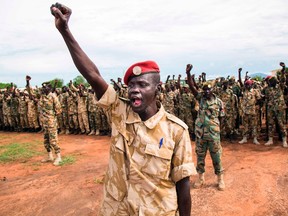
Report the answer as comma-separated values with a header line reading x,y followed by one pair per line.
x,y
184,197
191,84
83,63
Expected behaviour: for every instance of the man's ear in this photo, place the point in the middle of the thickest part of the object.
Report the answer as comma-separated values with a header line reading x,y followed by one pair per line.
x,y
158,89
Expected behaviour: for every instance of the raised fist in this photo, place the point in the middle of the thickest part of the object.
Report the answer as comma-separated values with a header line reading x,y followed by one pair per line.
x,y
28,78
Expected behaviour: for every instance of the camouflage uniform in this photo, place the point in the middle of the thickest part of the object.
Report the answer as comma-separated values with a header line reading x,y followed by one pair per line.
x,y
83,113
23,112
248,108
1,111
50,108
82,109
188,104
64,102
229,101
72,111
146,160
6,107
92,112
168,101
207,130
275,110
15,113
32,114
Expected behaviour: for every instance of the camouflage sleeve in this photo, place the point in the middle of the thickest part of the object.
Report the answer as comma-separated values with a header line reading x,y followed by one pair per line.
x,y
57,105
182,162
221,108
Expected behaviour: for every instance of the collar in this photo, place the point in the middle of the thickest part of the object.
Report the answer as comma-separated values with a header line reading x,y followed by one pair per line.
x,y
151,122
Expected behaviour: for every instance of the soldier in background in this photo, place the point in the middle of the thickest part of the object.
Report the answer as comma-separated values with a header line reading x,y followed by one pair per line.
x,y
22,108
207,130
168,99
249,114
275,110
72,112
50,107
186,104
92,113
15,119
1,111
64,103
32,107
227,96
81,95
6,107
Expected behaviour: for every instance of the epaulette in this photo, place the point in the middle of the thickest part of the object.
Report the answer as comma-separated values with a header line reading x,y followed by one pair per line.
x,y
124,99
177,120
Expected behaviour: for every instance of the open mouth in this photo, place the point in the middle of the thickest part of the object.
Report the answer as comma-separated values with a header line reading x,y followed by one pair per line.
x,y
136,102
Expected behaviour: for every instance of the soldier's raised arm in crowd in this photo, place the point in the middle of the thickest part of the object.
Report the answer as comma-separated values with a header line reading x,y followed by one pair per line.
x,y
190,81
167,80
83,63
240,78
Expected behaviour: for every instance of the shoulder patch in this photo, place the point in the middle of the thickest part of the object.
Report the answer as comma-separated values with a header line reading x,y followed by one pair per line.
x,y
176,120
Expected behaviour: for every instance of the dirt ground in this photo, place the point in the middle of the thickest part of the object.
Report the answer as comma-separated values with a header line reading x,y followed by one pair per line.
x,y
256,180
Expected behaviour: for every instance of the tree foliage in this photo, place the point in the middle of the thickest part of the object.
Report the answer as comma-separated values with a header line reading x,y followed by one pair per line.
x,y
80,80
258,78
5,85
60,82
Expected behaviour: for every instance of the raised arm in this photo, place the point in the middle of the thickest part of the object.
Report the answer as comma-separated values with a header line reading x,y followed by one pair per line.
x,y
83,63
239,77
189,80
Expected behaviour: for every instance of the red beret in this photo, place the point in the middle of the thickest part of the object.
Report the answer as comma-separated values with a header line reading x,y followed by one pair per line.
x,y
249,82
141,68
268,77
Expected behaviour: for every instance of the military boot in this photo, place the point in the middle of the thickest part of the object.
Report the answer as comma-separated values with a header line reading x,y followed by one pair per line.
x,y
62,131
244,140
284,141
255,141
270,141
57,160
91,133
50,158
200,181
97,132
67,131
220,182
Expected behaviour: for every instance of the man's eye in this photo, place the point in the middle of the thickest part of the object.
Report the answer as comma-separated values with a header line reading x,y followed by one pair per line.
x,y
144,84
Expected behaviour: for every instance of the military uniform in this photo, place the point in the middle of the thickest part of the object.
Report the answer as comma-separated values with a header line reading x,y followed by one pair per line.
x,y
50,108
248,108
229,101
275,110
146,160
207,131
94,122
23,112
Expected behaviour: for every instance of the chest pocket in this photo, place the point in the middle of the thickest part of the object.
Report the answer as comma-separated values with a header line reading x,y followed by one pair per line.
x,y
158,161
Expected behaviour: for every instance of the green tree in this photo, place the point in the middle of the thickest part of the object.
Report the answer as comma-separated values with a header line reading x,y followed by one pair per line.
x,y
60,82
5,85
80,79
258,78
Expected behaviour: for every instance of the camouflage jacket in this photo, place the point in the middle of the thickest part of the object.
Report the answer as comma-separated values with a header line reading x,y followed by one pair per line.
x,y
50,108
274,98
146,158
207,124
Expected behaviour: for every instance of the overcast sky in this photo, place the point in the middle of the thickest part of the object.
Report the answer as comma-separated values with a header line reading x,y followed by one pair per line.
x,y
216,36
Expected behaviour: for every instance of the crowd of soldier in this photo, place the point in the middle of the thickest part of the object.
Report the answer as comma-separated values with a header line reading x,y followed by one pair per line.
x,y
79,113
246,106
